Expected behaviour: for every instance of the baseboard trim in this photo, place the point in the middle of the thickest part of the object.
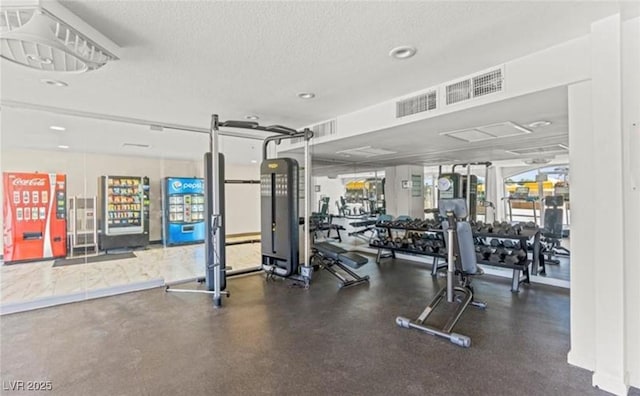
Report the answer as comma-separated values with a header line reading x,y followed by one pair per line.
x,y
44,302
612,384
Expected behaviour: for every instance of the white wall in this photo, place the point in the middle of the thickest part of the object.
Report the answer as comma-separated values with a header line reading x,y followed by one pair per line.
x,y
332,188
84,169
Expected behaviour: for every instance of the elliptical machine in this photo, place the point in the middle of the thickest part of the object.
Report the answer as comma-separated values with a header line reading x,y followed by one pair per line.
x,y
462,262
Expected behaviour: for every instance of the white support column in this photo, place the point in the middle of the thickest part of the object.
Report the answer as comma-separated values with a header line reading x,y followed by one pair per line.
x,y
631,174
582,188
598,319
610,371
399,200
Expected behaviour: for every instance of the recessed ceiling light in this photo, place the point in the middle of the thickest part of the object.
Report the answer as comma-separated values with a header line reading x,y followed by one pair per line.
x,y
538,124
57,128
306,95
55,83
254,161
403,52
252,117
63,146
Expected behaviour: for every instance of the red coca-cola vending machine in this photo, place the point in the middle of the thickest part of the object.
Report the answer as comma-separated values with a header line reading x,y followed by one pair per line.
x,y
35,223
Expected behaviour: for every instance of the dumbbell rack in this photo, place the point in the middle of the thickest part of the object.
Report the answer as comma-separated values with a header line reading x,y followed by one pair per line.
x,y
391,250
520,270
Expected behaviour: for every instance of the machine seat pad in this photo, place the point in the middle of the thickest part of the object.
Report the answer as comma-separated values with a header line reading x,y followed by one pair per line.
x,y
353,260
364,223
329,250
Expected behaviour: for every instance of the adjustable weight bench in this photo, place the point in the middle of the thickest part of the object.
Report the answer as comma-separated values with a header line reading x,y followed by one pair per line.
x,y
327,256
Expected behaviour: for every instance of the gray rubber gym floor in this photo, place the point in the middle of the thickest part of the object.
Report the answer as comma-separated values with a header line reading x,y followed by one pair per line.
x,y
271,338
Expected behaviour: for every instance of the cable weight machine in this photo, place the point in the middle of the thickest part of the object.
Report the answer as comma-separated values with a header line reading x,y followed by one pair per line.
x,y
215,274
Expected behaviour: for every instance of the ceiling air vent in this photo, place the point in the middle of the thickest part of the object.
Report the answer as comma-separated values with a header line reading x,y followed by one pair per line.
x,y
34,37
416,104
319,130
487,132
532,151
458,92
475,86
487,83
366,152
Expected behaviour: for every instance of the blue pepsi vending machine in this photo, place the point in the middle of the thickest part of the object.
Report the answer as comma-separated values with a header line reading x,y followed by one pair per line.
x,y
183,203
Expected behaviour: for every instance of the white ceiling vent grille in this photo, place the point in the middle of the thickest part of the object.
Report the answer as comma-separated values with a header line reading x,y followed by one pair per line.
x,y
35,38
479,85
365,152
319,130
458,92
417,104
487,83
532,151
487,132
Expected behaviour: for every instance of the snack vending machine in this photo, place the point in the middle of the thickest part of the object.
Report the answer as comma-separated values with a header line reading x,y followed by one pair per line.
x,y
124,212
35,224
183,203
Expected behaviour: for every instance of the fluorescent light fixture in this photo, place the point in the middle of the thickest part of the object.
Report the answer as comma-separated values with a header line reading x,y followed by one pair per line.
x,y
306,95
57,128
63,146
252,117
403,52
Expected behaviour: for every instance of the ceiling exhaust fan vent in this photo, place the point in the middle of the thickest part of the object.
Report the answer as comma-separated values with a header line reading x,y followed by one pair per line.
x,y
417,104
475,86
39,40
327,128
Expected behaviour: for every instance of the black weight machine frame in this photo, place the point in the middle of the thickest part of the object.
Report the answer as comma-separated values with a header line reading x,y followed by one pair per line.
x,y
214,267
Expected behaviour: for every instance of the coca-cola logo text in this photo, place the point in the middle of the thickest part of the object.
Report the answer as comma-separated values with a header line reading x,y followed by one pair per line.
x,y
28,182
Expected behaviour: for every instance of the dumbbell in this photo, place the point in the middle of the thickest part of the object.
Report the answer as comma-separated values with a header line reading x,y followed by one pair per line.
x,y
437,246
520,254
511,260
495,243
486,252
508,244
397,242
502,253
494,258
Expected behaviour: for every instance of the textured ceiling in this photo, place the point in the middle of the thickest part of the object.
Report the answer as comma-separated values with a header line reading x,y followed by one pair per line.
x,y
182,61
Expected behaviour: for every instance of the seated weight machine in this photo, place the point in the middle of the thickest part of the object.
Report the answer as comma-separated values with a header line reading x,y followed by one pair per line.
x,y
462,262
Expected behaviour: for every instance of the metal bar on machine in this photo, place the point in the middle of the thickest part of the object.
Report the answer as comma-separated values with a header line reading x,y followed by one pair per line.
x,y
468,191
215,166
307,215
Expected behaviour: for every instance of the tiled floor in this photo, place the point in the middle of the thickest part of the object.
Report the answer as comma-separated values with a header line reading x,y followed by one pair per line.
x,y
29,281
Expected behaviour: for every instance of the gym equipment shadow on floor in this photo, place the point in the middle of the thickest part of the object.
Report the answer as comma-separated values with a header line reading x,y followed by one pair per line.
x,y
93,259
